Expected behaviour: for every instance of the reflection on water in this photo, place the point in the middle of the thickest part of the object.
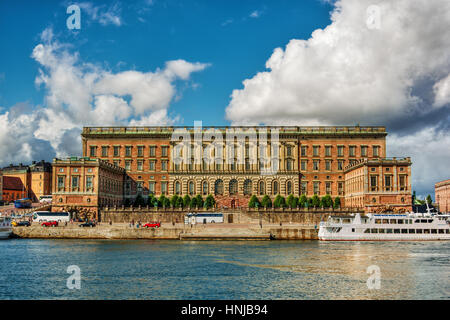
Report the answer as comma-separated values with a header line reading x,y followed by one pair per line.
x,y
36,269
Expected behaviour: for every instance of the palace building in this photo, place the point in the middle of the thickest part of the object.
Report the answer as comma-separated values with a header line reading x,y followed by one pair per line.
x,y
442,195
233,163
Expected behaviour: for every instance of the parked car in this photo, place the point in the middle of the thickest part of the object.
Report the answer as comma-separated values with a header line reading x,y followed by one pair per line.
x,y
153,225
21,223
50,224
88,224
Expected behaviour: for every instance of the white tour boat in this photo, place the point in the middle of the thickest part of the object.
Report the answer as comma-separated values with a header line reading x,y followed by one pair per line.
x,y
382,227
5,227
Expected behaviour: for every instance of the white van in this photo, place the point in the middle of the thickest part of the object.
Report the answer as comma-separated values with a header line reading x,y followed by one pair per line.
x,y
45,199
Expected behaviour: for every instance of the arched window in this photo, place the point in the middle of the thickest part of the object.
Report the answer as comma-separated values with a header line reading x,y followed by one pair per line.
x,y
262,188
233,187
177,187
248,187
288,188
218,187
205,188
275,187
191,188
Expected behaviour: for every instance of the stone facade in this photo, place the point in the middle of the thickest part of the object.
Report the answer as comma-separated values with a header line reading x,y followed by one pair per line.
x,y
442,195
86,183
379,184
311,159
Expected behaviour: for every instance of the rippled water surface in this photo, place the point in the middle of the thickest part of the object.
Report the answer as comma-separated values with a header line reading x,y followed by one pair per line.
x,y
111,269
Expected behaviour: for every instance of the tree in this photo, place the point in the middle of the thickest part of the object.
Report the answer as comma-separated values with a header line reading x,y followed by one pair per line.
x,y
337,202
254,202
429,200
173,201
164,201
209,202
127,202
199,200
151,200
193,203
139,201
326,201
315,201
186,201
179,203
279,202
302,201
289,200
266,202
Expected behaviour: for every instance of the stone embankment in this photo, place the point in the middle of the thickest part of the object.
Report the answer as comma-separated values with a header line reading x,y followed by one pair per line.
x,y
177,232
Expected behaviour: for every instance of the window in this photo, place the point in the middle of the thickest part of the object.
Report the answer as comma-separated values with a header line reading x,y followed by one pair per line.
x,y
89,185
191,187
164,187
104,151
248,187
316,187
152,165
128,151
328,165
328,187
289,188
116,151
304,187
61,183
116,163
340,164
93,151
315,164
402,183
140,165
289,151
289,165
315,151
151,187
352,151
140,151
388,182
363,151
127,165
327,151
139,187
303,151
373,183
376,151
152,151
262,189
205,188
218,187
247,164
177,187
164,165
340,150
164,151
275,187
233,187
303,165
75,182
340,188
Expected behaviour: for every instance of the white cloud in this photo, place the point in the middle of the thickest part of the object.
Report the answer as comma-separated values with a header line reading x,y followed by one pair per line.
x,y
81,94
396,75
255,14
102,14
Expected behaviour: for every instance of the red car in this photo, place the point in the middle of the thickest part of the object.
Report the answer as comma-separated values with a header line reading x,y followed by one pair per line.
x,y
50,224
152,225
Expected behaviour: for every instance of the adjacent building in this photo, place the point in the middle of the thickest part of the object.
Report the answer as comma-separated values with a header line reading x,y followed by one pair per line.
x,y
86,183
231,162
35,180
379,184
13,189
442,195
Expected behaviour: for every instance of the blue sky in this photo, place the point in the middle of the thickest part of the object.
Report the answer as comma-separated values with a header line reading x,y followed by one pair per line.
x,y
221,33
156,62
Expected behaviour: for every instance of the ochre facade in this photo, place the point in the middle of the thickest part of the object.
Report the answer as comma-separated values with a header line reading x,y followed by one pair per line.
x,y
442,195
311,160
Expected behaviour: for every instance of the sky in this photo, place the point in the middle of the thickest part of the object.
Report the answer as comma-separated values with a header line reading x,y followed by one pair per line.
x,y
172,62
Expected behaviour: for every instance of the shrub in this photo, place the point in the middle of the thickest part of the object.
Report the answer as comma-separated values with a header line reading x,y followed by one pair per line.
x,y
315,201
279,202
209,202
337,202
303,201
173,201
179,203
266,202
326,201
186,201
254,202
139,201
199,200
193,203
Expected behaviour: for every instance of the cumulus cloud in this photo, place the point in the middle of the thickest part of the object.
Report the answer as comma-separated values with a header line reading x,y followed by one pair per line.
x,y
395,72
80,94
105,15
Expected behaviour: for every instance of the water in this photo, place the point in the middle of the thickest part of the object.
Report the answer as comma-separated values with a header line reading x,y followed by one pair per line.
x,y
138,269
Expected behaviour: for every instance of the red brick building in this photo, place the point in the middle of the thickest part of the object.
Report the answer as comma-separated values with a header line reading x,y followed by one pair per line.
x,y
13,189
442,195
